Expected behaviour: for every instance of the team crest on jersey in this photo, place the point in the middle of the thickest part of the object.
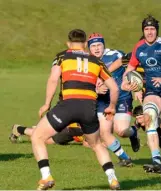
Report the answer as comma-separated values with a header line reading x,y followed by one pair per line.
x,y
142,54
151,62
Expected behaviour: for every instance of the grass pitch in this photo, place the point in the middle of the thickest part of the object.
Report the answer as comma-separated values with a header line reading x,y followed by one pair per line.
x,y
31,33
73,166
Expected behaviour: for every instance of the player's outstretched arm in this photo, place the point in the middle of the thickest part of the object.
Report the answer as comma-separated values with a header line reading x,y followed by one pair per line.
x,y
51,88
115,65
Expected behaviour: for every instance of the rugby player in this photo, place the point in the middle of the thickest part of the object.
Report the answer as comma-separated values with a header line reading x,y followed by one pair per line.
x,y
122,118
147,53
79,72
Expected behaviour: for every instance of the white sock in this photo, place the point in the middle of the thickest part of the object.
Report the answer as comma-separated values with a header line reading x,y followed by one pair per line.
x,y
111,175
45,172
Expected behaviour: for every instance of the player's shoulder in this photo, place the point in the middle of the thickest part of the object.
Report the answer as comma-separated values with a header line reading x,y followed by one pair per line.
x,y
140,43
111,52
95,60
61,54
158,40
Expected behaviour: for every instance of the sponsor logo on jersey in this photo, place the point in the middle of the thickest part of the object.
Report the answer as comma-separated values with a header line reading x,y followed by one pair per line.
x,y
157,51
142,54
151,62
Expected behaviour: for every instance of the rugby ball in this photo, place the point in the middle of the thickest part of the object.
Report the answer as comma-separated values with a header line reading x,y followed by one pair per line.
x,y
134,76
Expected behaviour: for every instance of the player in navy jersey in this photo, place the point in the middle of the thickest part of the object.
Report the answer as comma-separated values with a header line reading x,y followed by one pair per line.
x,y
122,119
147,53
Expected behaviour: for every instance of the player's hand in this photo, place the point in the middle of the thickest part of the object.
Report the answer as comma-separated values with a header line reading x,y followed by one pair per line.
x,y
109,113
156,82
102,89
139,96
127,86
99,82
43,109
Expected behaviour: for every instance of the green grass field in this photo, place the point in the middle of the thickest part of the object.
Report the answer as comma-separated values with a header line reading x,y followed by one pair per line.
x,y
31,33
73,166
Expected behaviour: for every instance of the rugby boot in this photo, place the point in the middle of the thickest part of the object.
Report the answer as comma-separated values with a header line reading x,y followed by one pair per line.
x,y
125,162
114,185
152,168
46,184
15,134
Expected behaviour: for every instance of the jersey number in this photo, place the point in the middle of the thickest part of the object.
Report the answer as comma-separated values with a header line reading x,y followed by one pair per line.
x,y
82,66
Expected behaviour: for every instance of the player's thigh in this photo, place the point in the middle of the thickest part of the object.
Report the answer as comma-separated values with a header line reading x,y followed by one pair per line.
x,y
122,118
105,125
61,115
43,130
121,122
88,118
93,138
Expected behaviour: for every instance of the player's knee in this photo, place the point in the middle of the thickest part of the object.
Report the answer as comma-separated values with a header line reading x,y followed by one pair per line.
x,y
36,137
151,113
122,123
96,146
121,132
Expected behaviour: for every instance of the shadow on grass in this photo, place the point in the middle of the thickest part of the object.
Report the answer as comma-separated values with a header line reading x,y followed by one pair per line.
x,y
125,185
142,161
14,156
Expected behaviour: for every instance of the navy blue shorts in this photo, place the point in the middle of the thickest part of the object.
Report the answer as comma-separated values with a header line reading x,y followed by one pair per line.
x,y
123,106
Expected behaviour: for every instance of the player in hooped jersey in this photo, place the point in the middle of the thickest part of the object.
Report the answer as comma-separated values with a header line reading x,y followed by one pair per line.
x,y
79,72
122,119
147,53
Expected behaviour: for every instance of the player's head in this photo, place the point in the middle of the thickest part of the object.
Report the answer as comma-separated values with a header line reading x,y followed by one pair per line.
x,y
150,28
96,44
76,37
138,114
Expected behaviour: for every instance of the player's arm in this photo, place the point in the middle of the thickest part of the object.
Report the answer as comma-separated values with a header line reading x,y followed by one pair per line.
x,y
133,63
115,65
117,57
114,91
51,85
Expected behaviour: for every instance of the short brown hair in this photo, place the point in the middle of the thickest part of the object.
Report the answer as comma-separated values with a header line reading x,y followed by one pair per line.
x,y
77,35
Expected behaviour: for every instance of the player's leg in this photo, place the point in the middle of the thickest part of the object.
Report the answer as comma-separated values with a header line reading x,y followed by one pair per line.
x,y
122,122
63,138
151,111
18,131
54,121
90,126
103,157
41,133
111,142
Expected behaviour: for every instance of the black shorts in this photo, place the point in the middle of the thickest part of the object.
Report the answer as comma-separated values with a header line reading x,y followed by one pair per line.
x,y
74,110
66,135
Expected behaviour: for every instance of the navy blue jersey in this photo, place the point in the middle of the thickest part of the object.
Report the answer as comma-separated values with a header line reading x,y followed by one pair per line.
x,y
110,56
149,57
